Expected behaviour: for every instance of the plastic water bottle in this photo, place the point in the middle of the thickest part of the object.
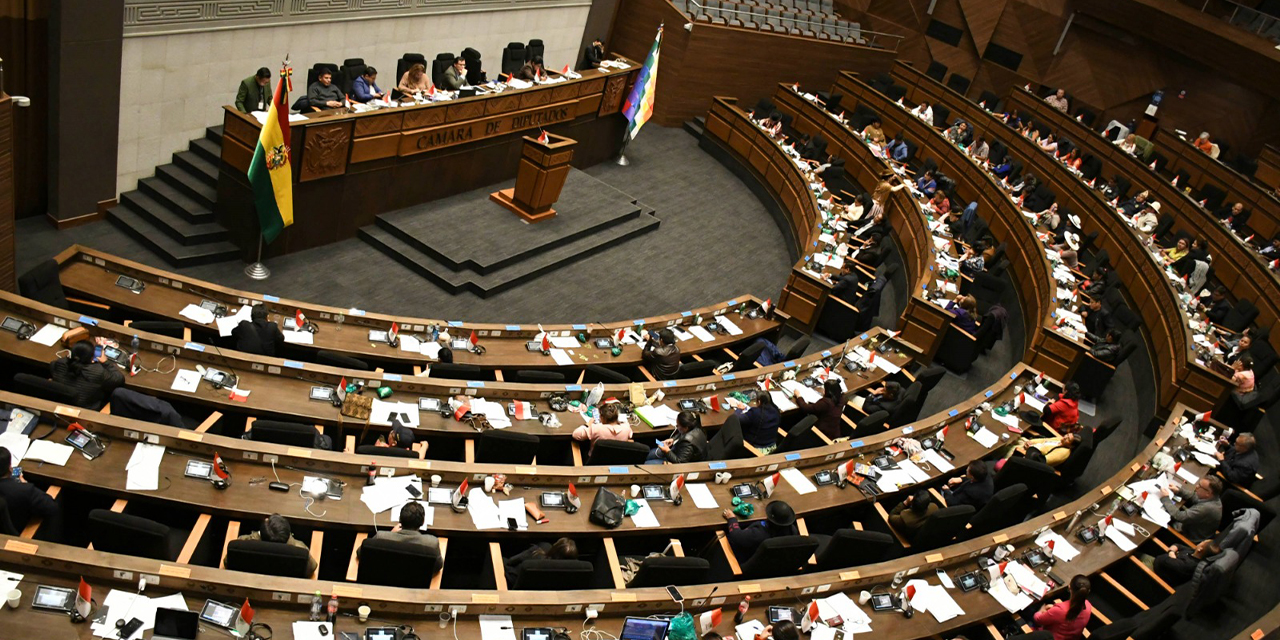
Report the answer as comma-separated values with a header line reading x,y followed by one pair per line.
x,y
317,607
133,344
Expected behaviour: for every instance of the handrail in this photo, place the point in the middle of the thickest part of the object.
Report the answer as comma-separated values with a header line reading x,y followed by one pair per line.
x,y
1258,22
875,35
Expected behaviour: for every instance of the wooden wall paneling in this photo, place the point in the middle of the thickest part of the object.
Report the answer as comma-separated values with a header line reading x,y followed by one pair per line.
x,y
8,277
24,47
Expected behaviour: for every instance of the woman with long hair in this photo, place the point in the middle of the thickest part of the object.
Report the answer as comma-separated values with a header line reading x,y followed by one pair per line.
x,y
829,408
415,81
1067,620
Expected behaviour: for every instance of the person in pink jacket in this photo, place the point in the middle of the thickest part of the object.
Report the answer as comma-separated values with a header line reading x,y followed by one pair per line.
x,y
606,428
1067,619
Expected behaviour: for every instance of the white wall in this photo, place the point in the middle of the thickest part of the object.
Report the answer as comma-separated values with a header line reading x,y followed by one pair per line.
x,y
173,86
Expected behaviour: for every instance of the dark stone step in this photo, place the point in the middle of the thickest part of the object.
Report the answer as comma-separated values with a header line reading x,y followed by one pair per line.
x,y
696,126
198,166
195,188
172,223
175,253
214,134
207,149
175,200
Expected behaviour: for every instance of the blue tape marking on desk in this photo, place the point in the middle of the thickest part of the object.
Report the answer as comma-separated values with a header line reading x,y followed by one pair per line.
x,y
293,364
990,393
579,327
728,376
793,456
637,322
356,312
270,298
573,387
952,413
790,363
669,383
89,321
455,323
732,302
826,353
686,314
513,327
617,469
855,444
475,384
906,430
393,377
717,465
193,346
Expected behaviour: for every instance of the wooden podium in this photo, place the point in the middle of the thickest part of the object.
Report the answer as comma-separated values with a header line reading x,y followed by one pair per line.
x,y
543,169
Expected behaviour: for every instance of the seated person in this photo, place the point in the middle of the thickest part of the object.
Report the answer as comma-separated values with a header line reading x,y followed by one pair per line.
x,y
959,133
1096,319
254,95
926,183
93,379
25,500
980,149
829,408
781,630
1073,159
1203,143
323,94
1178,565
1129,145
1048,144
532,71
455,76
258,336
1059,100
366,87
415,82
1217,308
887,397
1051,451
1176,252
1066,410
772,124
1147,219
1236,217
897,149
1271,251
1135,204
912,513
873,133
561,549
689,445
594,54
661,354
400,437
1070,259
1051,219
1238,463
974,488
1067,620
1243,379
759,423
965,309
1200,512
275,528
606,427
846,284
971,261
924,112
1108,350
779,520
409,529
939,203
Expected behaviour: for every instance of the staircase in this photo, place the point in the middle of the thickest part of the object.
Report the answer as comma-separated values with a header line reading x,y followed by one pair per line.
x,y
172,211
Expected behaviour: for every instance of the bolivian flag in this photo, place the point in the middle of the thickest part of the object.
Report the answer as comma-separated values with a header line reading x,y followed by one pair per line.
x,y
639,106
270,171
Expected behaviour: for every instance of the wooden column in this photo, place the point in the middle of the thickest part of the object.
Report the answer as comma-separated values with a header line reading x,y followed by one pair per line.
x,y
7,275
543,170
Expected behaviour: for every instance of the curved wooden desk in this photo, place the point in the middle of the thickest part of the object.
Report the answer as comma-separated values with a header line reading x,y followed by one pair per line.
x,y
280,388
1205,171
92,275
1181,377
49,562
1237,267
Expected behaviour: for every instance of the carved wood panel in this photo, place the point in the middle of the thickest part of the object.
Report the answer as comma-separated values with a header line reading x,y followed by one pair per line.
x,y
612,100
325,151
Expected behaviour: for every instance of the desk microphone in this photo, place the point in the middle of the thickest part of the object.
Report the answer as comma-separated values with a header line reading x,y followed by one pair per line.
x,y
790,591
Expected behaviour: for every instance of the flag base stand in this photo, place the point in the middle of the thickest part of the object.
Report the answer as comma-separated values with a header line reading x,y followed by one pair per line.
x,y
258,270
622,160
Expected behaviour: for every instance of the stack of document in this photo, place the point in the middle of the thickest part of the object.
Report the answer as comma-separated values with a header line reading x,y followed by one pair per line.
x,y
17,445
840,611
487,514
299,337
382,411
1062,548
389,492
50,452
227,324
494,412
644,517
798,481
986,438
123,606
1013,602
805,393
197,313
144,467
657,416
48,335
935,600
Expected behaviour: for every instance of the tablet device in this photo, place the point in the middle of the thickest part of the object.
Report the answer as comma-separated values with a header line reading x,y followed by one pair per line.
x,y
54,599
219,614
115,355
644,629
460,344
380,633
429,404
778,614
439,495
552,500
744,490
1035,557
85,443
653,492
533,345
12,324
321,393
883,602
688,405
377,335
209,305
603,343
199,469
969,581
825,477
133,284
1088,534
537,633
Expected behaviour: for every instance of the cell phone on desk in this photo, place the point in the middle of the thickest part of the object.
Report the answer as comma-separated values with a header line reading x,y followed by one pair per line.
x,y
675,594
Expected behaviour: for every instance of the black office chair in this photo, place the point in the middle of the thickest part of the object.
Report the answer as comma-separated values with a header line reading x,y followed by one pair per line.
x,y
943,526
618,453
341,361
267,558
747,358
506,447
594,373
959,349
438,66
1213,196
395,563
872,424
895,92
909,409
313,73
293,434
42,284
534,49
475,67
112,532
929,377
801,436
779,556
1003,510
6,523
1104,430
727,443
991,100
852,548
44,388
941,116
171,328
513,57
1233,500
351,69
408,60
660,571
453,371
763,108
958,83
695,369
936,70
1093,375
390,452
1019,470
1241,315
832,101
548,574
533,376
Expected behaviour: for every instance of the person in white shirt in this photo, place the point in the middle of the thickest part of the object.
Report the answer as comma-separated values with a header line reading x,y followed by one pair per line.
x,y
924,112
1129,145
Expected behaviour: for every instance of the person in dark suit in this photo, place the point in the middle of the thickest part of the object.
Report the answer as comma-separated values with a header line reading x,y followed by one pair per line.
x,y
276,528
886,398
846,284
128,403
829,408
409,529
1218,307
689,445
562,549
92,378
1178,565
1096,320
912,513
1109,349
975,488
456,75
779,520
661,354
254,94
532,71
258,336
1238,463
23,499
594,55
1271,251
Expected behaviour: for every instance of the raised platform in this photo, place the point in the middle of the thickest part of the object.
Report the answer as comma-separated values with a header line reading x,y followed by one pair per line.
x,y
469,243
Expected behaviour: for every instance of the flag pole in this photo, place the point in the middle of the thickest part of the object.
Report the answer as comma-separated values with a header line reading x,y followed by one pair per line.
x,y
258,270
622,160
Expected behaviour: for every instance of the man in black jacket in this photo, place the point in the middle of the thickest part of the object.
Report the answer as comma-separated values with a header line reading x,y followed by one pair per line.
x,y
780,520
90,375
1107,351
846,284
661,354
256,335
1239,463
1096,320
25,500
975,488
689,445
594,54
1218,307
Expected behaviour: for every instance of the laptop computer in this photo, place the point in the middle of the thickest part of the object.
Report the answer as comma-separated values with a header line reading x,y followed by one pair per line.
x,y
175,624
644,629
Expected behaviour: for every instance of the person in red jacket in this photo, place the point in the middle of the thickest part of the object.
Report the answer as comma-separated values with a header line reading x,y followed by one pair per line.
x,y
1066,410
1067,620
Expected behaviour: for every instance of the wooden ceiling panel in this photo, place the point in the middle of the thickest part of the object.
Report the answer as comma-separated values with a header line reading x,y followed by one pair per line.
x,y
981,17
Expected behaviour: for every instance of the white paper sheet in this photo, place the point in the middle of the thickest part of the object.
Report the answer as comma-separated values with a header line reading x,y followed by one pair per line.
x,y
847,609
17,445
1120,539
381,412
186,381
1185,474
299,337
49,452
144,467
564,342
645,517
1062,548
917,474
9,581
936,460
1012,602
304,630
783,402
48,335
701,333
514,508
702,496
561,357
430,349
387,493
483,510
497,628
1154,511
1027,579
748,630
228,323
657,416
197,313
798,481
986,438
805,393
729,326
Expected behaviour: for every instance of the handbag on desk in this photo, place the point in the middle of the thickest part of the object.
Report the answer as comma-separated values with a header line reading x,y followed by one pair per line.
x,y
607,509
357,406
